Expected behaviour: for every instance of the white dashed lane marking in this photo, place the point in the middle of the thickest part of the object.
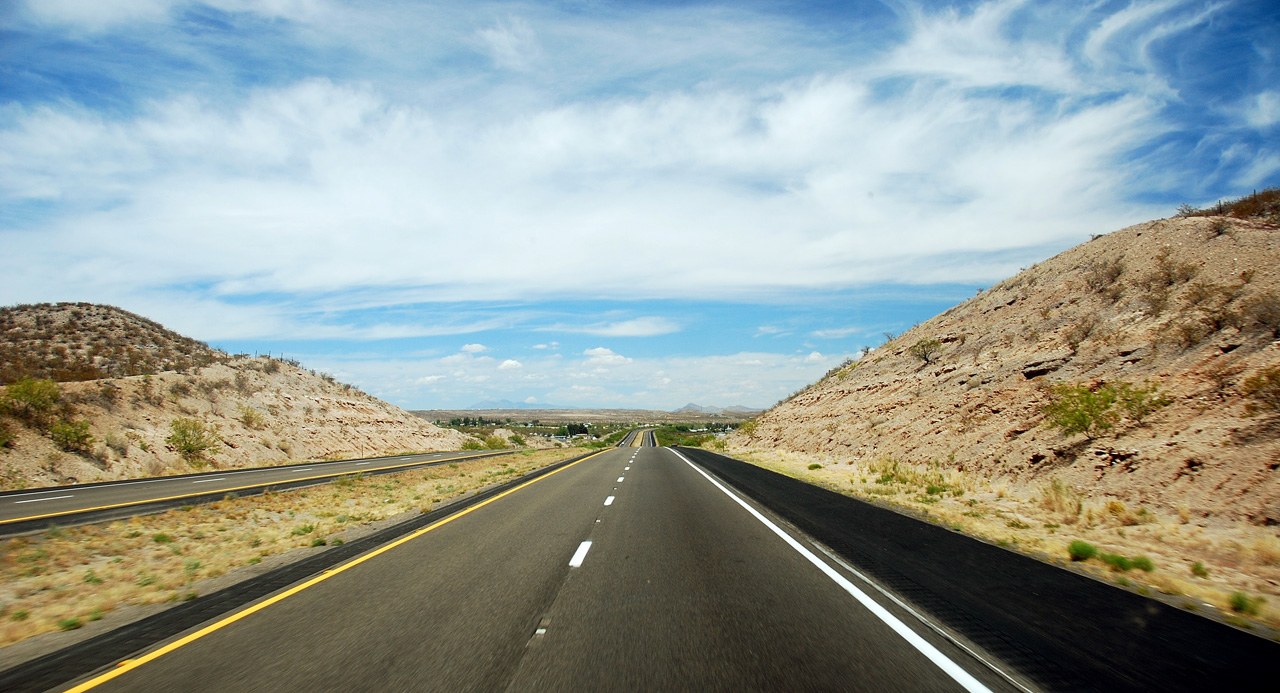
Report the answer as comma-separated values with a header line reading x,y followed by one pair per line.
x,y
580,555
38,500
609,500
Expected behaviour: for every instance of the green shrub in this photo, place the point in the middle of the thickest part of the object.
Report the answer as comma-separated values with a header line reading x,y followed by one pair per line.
x,y
162,538
815,465
250,417
69,624
31,400
518,440
1077,409
1081,550
494,443
1144,564
1199,570
192,438
72,436
1117,562
1243,603
926,350
472,444
1139,402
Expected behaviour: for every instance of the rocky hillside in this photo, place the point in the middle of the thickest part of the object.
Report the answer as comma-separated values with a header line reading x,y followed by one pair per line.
x,y
244,411
84,341
1158,341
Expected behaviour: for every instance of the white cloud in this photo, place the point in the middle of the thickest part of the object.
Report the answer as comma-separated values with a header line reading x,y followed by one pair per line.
x,y
512,44
474,348
510,364
638,327
1263,110
95,15
814,357
836,332
603,356
428,379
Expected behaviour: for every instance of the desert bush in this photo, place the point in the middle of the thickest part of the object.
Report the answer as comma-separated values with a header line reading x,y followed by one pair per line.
x,y
271,366
1144,564
748,428
192,439
472,444
1264,390
494,443
1078,409
1169,272
518,440
1080,331
250,417
1081,550
72,436
117,443
1262,312
1139,402
1117,562
32,400
1060,497
1243,603
1199,570
1102,274
180,389
927,350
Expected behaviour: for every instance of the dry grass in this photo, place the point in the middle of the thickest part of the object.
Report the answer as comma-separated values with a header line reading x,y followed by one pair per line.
x,y
84,572
1042,521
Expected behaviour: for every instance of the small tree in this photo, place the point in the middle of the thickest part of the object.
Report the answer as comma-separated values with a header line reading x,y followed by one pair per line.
x,y
926,350
32,400
192,438
1078,409
72,436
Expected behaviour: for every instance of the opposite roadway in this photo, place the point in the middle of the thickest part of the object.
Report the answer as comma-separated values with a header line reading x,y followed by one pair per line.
x,y
630,569
63,504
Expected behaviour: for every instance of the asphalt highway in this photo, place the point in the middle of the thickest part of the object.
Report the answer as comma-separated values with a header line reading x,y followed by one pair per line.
x,y
25,510
630,569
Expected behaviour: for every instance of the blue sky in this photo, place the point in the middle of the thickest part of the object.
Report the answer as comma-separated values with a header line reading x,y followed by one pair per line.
x,y
587,203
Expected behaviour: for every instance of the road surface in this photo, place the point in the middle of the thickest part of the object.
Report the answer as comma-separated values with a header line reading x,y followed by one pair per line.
x,y
628,570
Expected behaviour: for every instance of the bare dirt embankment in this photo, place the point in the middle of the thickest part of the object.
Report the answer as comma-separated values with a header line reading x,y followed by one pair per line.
x,y
125,380
1160,341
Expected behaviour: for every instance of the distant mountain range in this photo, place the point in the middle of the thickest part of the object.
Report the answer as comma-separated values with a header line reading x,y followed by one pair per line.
x,y
717,410
508,404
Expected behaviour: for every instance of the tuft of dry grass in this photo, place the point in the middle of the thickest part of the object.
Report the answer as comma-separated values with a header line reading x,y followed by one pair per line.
x,y
85,572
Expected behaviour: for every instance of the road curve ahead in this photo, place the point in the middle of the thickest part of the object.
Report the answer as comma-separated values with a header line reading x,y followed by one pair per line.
x,y
34,509
628,570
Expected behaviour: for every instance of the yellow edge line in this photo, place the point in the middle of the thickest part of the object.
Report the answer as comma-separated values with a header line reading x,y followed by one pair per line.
x,y
131,664
235,488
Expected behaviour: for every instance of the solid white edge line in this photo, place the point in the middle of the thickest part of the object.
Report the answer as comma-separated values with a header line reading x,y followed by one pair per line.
x,y
580,554
609,500
932,626
952,669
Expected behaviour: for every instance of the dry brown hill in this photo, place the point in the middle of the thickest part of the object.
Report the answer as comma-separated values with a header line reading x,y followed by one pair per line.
x,y
259,410
1190,305
84,341
1159,341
